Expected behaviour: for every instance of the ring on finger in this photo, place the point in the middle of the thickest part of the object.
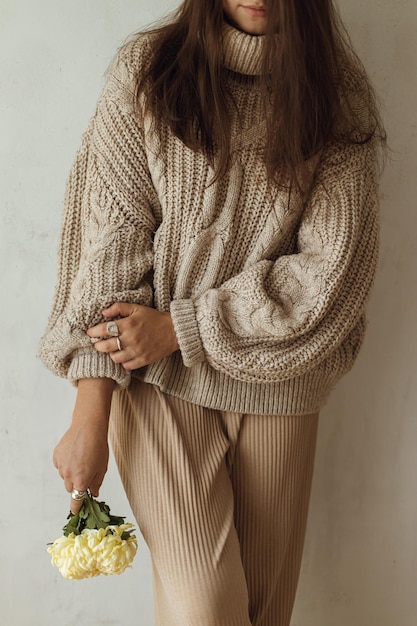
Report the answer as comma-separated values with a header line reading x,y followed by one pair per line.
x,y
119,343
77,494
112,329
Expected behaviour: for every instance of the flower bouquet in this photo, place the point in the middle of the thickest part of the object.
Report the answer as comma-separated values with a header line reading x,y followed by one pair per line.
x,y
94,542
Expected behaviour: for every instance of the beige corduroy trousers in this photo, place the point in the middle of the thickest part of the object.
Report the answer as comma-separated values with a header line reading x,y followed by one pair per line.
x,y
221,500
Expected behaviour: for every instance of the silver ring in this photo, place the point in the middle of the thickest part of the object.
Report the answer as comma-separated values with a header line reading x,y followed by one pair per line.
x,y
112,329
119,343
78,495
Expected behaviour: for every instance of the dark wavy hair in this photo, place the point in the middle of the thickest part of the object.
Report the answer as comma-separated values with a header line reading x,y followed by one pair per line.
x,y
316,90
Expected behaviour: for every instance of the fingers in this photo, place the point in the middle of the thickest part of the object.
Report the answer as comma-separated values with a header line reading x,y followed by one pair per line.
x,y
109,345
118,353
125,357
81,456
73,488
132,364
100,331
145,335
76,504
95,486
119,309
94,489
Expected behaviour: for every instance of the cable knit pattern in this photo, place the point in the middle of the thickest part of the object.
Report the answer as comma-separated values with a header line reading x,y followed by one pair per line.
x,y
267,289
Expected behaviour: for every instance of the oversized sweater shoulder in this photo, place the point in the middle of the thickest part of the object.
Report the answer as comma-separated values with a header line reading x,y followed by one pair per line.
x,y
267,289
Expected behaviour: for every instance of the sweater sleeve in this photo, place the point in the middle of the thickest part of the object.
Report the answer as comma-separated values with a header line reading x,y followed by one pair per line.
x,y
278,319
106,249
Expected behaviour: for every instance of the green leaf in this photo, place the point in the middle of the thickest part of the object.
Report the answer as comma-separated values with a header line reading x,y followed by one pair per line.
x,y
91,523
93,515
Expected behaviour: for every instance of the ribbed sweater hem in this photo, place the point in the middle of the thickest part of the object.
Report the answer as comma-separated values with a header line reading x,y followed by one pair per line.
x,y
186,329
87,363
207,387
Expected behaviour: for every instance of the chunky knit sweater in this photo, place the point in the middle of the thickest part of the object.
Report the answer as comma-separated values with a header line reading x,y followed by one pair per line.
x,y
266,289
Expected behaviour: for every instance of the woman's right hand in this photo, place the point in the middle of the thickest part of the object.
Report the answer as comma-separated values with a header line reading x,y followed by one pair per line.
x,y
81,456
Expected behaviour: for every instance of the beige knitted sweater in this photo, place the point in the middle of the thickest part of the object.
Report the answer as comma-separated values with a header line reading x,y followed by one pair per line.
x,y
266,290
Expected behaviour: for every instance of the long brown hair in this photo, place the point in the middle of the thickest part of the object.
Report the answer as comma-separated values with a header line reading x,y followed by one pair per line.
x,y
315,88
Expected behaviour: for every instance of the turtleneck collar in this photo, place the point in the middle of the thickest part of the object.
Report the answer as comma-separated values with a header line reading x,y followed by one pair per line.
x,y
242,52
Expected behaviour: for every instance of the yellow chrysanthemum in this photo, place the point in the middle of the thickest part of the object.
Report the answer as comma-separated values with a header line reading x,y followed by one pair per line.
x,y
94,552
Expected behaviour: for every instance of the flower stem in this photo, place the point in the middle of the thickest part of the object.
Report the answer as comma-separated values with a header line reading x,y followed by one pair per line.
x,y
92,515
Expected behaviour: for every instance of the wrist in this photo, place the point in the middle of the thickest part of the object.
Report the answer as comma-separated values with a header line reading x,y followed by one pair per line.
x,y
174,345
93,402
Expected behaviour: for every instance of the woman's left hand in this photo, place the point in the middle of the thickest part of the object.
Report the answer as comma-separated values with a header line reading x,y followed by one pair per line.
x,y
145,335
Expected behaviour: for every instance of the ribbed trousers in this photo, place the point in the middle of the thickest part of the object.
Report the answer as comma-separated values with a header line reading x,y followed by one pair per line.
x,y
221,500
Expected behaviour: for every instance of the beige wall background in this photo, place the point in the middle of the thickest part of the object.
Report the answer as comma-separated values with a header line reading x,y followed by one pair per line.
x,y
361,552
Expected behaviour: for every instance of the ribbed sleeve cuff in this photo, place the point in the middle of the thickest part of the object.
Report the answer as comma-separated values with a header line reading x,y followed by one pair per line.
x,y
88,363
186,328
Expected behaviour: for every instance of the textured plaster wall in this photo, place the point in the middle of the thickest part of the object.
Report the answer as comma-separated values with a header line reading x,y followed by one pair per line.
x,y
361,555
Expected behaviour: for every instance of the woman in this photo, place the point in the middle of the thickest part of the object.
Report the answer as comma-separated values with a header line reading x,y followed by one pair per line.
x,y
219,245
